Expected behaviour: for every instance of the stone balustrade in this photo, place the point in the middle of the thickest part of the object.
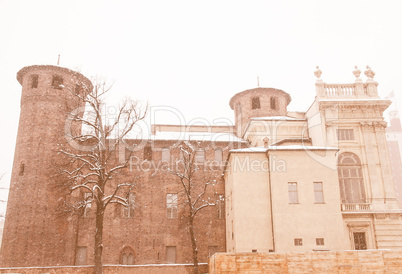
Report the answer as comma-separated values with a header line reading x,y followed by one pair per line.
x,y
356,207
340,90
356,90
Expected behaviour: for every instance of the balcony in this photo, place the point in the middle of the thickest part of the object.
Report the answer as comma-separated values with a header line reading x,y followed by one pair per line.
x,y
363,207
356,90
339,90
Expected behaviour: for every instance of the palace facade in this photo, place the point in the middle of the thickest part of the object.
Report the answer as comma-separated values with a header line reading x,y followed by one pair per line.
x,y
291,181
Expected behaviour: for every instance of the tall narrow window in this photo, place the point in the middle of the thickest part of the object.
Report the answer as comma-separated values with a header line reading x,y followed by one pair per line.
x,y
292,188
360,240
351,178
171,205
81,255
165,155
34,80
171,254
255,103
272,102
200,156
218,155
220,204
148,153
318,193
232,231
128,211
22,169
88,204
57,81
345,134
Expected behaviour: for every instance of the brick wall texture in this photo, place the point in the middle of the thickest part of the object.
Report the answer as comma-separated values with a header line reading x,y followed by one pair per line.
x,y
348,262
38,231
108,269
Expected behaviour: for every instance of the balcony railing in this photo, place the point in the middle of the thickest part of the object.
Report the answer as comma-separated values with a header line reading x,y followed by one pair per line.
x,y
343,91
334,90
356,207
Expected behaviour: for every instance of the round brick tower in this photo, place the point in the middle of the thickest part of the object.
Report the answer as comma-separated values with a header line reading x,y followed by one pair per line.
x,y
258,102
36,233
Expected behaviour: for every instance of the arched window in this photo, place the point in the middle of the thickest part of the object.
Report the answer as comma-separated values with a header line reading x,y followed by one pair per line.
x,y
127,256
128,211
351,178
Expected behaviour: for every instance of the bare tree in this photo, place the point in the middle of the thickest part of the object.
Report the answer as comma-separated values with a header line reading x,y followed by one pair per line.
x,y
91,164
198,186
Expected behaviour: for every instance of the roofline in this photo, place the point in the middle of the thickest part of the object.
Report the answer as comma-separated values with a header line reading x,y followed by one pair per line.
x,y
22,72
287,149
261,89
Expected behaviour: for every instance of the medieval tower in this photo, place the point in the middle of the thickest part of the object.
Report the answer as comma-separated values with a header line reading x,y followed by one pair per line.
x,y
35,232
280,171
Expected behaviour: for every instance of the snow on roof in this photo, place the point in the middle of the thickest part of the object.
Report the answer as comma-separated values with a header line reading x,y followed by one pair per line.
x,y
284,118
301,147
198,136
249,149
353,99
290,147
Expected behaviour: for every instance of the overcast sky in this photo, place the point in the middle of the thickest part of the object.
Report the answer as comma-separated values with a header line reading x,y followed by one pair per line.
x,y
195,55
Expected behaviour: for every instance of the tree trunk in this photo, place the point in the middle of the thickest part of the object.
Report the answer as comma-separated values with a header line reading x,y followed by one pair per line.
x,y
193,244
99,239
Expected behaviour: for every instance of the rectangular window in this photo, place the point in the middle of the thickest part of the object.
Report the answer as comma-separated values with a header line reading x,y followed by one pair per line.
x,y
165,155
319,241
88,204
34,80
318,193
218,155
360,240
128,211
200,156
81,255
171,205
171,254
57,82
232,231
220,203
293,199
255,103
345,134
298,242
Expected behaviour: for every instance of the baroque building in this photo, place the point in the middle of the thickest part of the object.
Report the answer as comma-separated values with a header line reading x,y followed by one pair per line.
x,y
291,181
394,140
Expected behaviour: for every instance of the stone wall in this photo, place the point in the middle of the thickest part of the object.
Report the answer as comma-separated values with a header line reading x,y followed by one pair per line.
x,y
378,261
110,269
